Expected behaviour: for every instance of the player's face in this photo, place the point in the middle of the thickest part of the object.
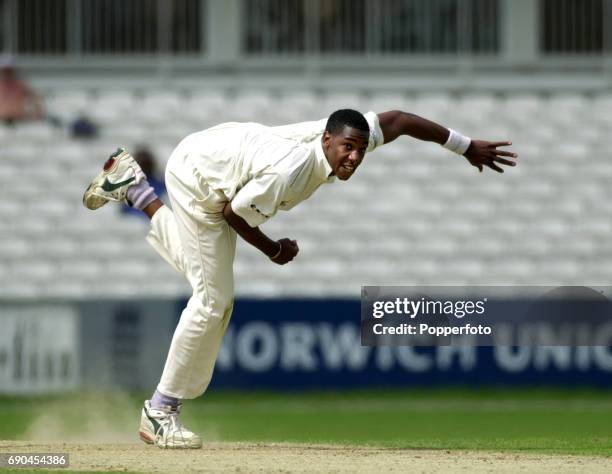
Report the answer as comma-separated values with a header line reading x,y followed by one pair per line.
x,y
345,151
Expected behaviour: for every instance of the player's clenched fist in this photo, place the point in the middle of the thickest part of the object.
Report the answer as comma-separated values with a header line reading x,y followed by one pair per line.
x,y
287,250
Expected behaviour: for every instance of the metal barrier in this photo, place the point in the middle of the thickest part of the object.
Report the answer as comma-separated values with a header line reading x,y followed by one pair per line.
x,y
310,35
73,27
371,26
574,26
277,27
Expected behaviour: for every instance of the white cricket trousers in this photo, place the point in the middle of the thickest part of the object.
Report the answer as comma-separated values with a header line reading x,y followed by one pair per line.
x,y
197,241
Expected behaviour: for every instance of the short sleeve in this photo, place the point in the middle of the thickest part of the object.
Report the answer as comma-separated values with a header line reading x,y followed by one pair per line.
x,y
259,199
376,135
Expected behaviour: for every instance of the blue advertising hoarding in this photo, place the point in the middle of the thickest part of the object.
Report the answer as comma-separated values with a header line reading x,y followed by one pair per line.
x,y
302,343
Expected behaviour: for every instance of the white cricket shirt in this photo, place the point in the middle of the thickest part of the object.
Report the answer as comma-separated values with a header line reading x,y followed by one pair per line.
x,y
263,169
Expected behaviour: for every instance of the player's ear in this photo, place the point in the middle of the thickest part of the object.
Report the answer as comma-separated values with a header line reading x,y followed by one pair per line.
x,y
326,139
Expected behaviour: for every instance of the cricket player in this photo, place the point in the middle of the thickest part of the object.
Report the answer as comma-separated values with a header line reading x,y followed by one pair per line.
x,y
227,181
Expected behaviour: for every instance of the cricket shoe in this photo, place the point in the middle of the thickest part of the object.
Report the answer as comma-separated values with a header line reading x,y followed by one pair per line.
x,y
119,173
162,427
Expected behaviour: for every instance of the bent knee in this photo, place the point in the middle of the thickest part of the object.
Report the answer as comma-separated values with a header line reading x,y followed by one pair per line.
x,y
212,311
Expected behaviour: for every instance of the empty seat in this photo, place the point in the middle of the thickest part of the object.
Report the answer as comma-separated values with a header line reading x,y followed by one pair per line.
x,y
38,270
413,214
10,209
204,107
37,132
342,100
382,102
12,247
73,288
67,105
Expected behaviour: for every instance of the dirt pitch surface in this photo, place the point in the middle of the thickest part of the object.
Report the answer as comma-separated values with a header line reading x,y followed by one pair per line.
x,y
246,457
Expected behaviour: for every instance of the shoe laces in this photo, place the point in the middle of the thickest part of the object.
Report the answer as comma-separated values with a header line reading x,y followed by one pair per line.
x,y
171,423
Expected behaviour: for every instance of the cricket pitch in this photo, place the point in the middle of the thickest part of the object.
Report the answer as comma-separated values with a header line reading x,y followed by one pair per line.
x,y
288,458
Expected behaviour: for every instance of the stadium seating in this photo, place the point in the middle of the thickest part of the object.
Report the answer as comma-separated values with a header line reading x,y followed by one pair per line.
x,y
413,214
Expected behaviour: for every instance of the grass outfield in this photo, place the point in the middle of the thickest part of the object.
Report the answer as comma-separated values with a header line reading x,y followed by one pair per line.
x,y
527,421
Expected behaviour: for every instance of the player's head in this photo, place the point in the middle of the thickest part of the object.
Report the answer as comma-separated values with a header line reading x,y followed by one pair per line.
x,y
345,141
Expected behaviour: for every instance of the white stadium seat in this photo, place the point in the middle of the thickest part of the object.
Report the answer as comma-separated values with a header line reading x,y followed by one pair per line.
x,y
414,214
67,105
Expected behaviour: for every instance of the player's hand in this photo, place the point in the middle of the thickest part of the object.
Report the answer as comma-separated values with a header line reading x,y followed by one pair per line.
x,y
288,250
482,153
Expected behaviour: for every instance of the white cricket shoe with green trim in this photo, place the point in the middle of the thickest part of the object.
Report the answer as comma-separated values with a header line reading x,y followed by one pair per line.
x,y
119,173
162,427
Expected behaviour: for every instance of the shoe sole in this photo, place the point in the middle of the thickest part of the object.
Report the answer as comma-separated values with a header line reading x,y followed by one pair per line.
x,y
145,437
93,201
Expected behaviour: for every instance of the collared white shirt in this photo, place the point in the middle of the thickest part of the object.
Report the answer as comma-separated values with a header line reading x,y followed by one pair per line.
x,y
263,169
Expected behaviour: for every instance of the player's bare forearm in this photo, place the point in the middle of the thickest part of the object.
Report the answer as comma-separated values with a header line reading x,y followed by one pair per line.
x,y
480,153
253,235
280,251
396,123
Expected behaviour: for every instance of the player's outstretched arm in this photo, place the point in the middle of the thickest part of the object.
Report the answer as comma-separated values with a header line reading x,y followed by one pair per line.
x,y
479,153
281,251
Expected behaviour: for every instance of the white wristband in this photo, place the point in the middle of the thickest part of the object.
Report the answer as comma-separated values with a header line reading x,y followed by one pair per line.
x,y
456,142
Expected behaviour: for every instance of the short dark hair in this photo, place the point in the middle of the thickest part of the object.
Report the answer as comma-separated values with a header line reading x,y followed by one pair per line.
x,y
346,118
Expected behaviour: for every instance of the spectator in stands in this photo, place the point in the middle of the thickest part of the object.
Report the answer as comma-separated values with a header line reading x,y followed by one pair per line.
x,y
144,157
18,102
